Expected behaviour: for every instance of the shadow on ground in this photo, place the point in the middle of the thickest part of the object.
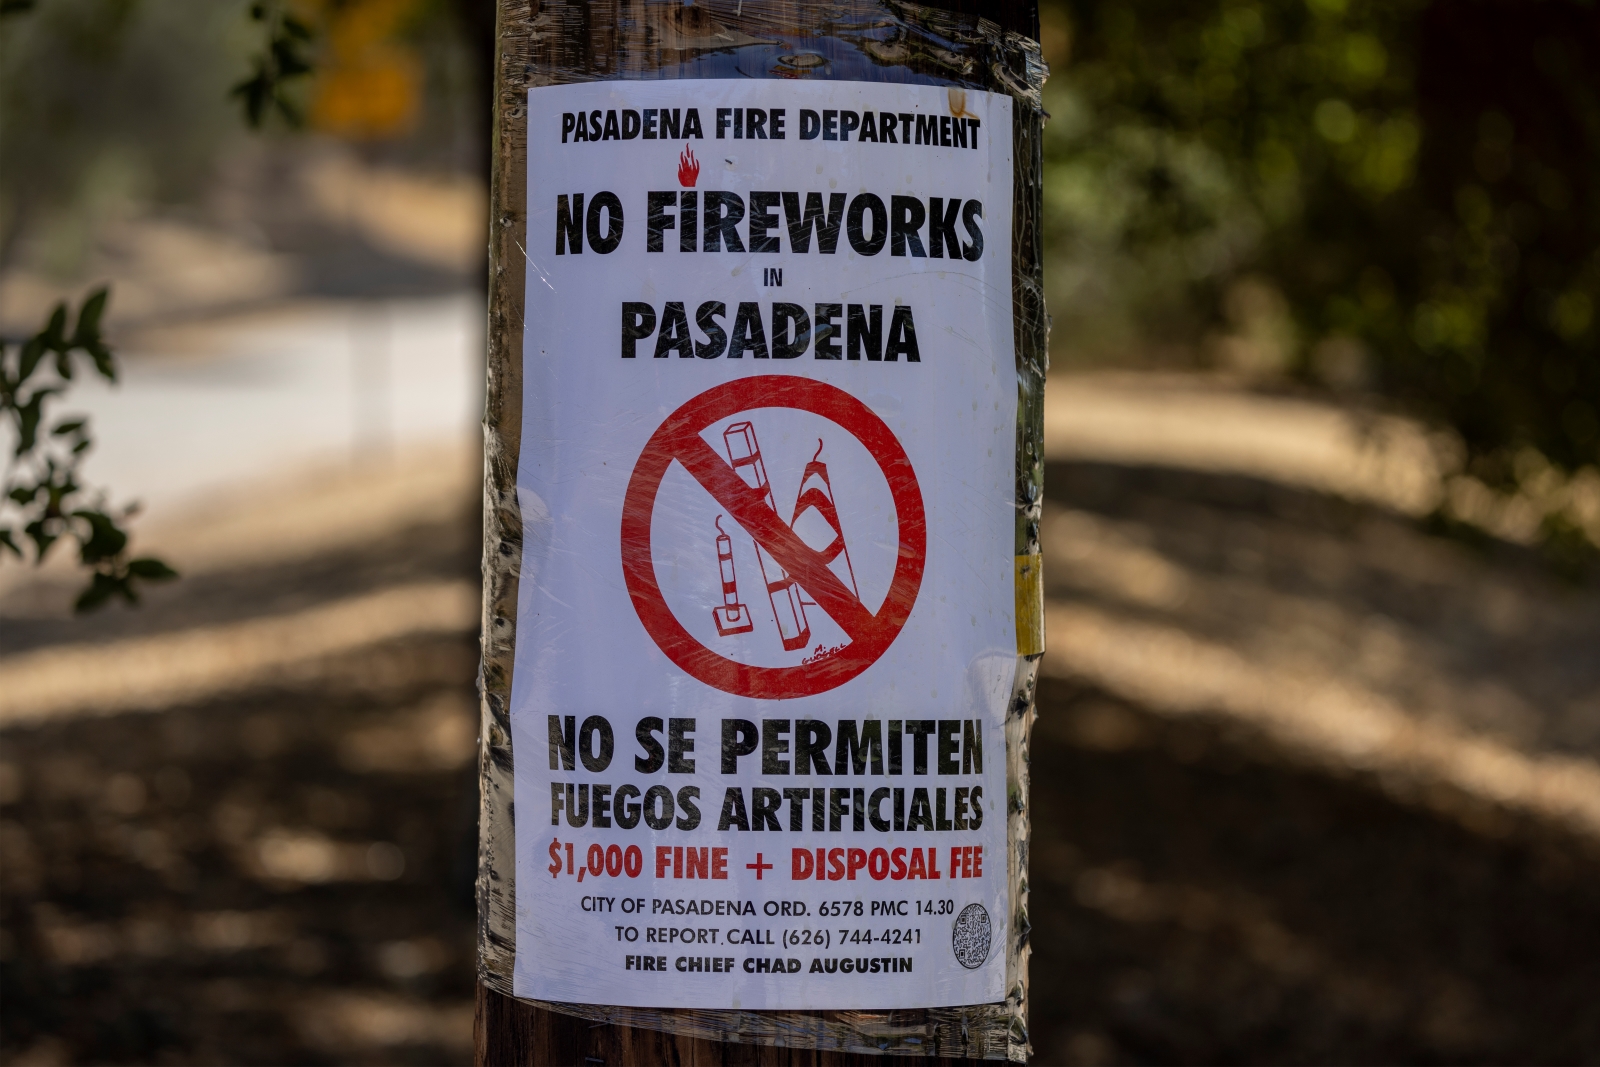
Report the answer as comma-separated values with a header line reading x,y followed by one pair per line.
x,y
286,876
1198,899
443,548
282,878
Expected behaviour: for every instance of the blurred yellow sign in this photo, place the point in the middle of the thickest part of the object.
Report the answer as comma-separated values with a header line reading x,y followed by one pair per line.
x,y
370,82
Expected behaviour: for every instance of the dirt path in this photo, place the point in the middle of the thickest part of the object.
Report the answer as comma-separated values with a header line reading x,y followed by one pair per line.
x,y
1225,868
1200,899
282,877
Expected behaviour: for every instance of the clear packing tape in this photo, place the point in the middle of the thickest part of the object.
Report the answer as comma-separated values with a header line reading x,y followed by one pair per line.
x,y
567,41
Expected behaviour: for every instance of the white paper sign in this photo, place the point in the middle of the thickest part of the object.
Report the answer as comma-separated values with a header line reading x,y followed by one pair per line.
x,y
766,634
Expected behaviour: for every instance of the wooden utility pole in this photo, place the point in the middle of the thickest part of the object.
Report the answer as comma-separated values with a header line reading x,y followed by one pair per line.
x,y
949,60
511,1031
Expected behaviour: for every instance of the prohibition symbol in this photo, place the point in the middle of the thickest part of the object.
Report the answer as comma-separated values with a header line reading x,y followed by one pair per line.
x,y
678,439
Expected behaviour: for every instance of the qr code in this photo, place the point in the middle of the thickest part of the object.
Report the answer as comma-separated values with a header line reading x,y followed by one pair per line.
x,y
972,936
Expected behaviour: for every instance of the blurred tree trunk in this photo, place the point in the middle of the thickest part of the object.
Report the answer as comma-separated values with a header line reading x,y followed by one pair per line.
x,y
475,20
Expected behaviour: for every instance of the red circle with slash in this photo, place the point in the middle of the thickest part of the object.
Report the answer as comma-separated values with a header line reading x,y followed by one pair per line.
x,y
678,439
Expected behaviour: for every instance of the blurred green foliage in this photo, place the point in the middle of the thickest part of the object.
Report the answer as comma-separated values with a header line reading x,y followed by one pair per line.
x,y
104,103
118,106
281,60
1399,196
41,500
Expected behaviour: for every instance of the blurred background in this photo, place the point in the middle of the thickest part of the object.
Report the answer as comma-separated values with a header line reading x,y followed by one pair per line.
x,y
1317,765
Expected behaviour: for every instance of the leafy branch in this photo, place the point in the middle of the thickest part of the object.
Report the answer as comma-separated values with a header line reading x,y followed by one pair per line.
x,y
281,60
43,501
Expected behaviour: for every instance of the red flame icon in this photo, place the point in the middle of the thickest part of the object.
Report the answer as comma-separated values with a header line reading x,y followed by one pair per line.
x,y
688,168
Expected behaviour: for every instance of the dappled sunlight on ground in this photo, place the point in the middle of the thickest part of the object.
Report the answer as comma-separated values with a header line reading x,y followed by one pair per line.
x,y
1309,783
273,878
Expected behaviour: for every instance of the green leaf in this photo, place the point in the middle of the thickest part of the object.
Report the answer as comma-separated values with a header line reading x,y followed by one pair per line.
x,y
102,587
255,92
24,494
15,7
42,538
6,539
32,353
103,361
151,570
106,539
70,426
55,332
88,331
28,417
288,60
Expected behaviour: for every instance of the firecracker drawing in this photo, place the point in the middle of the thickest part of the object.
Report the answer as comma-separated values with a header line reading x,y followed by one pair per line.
x,y
731,616
788,604
816,495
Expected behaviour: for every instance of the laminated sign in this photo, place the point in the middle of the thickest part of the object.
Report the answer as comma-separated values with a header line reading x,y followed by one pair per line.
x,y
766,631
